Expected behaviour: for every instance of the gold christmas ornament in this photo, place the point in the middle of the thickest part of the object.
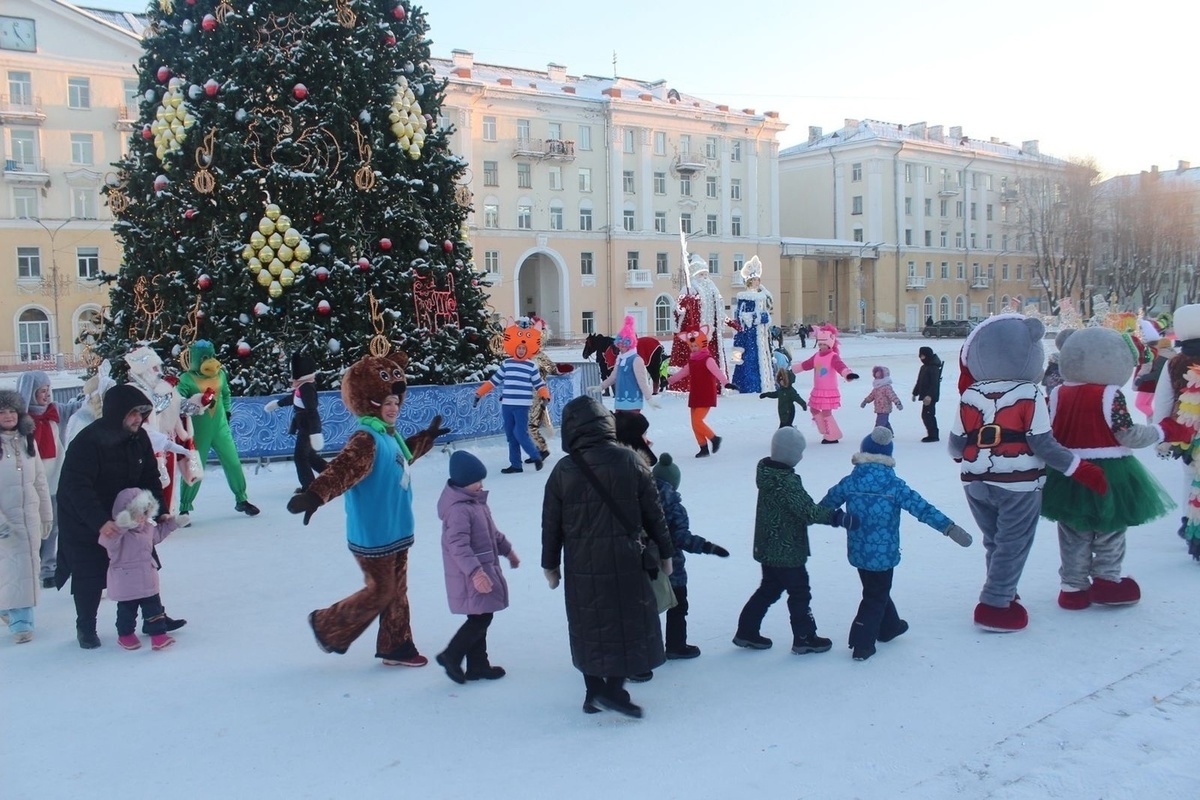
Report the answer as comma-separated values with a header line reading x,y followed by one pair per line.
x,y
223,10
302,251
266,226
379,345
282,223
345,17
275,241
364,176
275,289
171,117
264,278
276,251
287,277
272,211
258,241
407,119
275,267
204,181
291,237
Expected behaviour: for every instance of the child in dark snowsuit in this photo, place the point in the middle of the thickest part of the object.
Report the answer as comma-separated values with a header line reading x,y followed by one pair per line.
x,y
786,396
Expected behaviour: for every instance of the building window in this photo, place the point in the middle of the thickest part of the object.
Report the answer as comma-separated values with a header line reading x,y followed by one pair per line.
x,y
991,305
958,240
587,322
491,215
20,89
929,174
491,173
81,149
660,222
735,150
662,266
664,322
710,147
1004,272
660,143
987,241
928,307
25,203
1020,272
555,178
83,202
685,144
524,176
627,181
943,239
712,225
961,272
714,263
627,137
523,129
958,209
585,218
556,216
960,307
525,217
79,92
23,148
685,222
943,208
489,129
858,234
29,263
585,179
491,262
856,172
739,261
631,260
928,270
710,187
973,242
660,183
908,206
856,204
735,189
929,206
735,225
685,186
944,307
974,214
912,269
33,330
908,235
628,220
988,212
585,137
945,270
1004,241
585,266
87,259
929,238
908,173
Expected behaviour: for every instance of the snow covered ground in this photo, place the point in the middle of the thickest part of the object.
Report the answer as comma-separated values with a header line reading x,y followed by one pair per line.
x,y
1101,703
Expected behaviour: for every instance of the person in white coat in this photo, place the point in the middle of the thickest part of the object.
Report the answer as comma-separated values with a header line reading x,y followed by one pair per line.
x,y
34,387
25,516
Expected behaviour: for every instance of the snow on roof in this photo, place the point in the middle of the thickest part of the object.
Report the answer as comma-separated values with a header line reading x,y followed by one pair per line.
x,y
125,20
931,135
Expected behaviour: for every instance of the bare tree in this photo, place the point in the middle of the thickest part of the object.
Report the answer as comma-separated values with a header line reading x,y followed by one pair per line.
x,y
1057,207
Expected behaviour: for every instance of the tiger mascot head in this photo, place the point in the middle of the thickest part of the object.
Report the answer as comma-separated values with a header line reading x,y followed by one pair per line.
x,y
522,339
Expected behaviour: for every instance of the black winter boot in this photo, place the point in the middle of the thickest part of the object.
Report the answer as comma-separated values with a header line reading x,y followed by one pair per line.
x,y
811,644
87,637
247,508
703,451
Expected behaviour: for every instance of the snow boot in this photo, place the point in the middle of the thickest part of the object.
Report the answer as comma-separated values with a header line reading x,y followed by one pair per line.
x,y
716,443
703,451
453,667
161,641
863,652
642,677
87,637
1124,592
512,470
408,661
618,700
811,644
1074,599
901,628
1001,620
247,508
129,641
752,641
687,651
21,637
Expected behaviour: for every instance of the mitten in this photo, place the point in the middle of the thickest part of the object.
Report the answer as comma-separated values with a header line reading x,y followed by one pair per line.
x,y
317,441
1091,476
422,442
863,404
1173,431
475,402
714,550
513,561
306,502
552,577
844,519
271,407
762,395
899,406
851,376
482,583
926,401
960,536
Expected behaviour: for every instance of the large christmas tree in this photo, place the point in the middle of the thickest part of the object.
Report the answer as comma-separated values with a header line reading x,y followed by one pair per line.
x,y
292,164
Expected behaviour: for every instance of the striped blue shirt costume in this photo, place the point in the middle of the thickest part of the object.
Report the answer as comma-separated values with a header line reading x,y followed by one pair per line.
x,y
518,380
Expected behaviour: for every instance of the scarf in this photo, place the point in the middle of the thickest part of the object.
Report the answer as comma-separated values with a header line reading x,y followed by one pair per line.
x,y
43,434
884,381
382,428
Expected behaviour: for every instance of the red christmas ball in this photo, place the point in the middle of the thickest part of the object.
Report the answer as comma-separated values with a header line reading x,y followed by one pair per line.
x,y
399,13
191,2
322,274
200,314
448,246
385,244
318,217
161,183
211,87
204,282
209,23
243,349
364,263
191,214
147,134
389,39
299,91
164,74
323,308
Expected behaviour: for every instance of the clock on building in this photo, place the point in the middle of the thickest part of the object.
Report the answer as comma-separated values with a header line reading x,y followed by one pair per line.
x,y
18,33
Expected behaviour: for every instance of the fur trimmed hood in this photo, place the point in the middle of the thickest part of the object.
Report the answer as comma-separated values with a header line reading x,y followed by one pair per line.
x,y
872,458
131,503
12,399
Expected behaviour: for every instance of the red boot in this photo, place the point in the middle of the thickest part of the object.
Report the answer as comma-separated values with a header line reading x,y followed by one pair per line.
x,y
1074,600
1001,620
1124,592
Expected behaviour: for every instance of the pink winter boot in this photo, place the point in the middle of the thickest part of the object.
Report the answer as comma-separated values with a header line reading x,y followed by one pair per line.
x,y
161,641
1124,592
129,641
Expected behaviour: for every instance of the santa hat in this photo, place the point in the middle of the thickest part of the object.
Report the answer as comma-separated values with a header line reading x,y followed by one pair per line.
x,y
627,336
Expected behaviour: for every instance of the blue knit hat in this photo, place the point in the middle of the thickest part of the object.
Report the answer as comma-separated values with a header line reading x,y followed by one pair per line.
x,y
878,443
466,469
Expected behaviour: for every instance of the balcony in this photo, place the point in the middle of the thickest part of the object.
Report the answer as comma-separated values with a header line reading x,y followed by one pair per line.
x,y
689,164
21,109
638,279
914,282
1008,196
553,149
949,189
126,118
981,282
33,171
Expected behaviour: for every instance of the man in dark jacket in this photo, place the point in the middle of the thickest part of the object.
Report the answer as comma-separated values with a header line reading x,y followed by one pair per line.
x,y
612,616
928,390
111,454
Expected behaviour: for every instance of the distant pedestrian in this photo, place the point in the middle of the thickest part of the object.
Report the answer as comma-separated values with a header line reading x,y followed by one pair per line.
x,y
928,389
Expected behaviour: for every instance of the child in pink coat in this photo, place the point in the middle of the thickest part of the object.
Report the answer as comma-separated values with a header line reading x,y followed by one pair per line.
x,y
471,551
883,396
826,398
132,567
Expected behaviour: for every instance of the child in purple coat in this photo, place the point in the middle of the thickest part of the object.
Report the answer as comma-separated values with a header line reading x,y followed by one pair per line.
x,y
883,396
471,551
132,568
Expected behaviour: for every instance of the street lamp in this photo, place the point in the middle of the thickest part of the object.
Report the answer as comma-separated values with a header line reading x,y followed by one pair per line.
x,y
57,285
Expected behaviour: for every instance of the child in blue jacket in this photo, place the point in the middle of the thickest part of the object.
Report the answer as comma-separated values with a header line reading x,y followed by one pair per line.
x,y
875,494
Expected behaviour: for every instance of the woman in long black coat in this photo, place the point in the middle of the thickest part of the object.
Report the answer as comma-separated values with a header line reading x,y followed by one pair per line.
x,y
612,616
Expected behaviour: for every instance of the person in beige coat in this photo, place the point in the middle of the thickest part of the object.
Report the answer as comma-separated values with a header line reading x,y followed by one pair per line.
x,y
25,516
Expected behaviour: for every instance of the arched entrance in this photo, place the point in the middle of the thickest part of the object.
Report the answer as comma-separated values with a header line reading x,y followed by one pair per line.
x,y
540,286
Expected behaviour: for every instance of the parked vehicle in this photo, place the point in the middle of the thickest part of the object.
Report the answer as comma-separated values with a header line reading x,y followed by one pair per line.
x,y
947,327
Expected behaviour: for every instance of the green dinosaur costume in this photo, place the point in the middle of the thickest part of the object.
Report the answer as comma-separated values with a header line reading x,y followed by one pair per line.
x,y
212,424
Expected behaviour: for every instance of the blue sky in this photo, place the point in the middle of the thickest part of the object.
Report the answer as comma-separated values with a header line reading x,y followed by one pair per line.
x,y
1106,79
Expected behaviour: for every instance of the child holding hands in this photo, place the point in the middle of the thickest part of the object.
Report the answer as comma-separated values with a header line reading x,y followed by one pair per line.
x,y
471,551
132,571
875,494
883,396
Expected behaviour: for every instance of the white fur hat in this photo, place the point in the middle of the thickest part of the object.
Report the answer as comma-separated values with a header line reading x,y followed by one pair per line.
x,y
1187,322
133,502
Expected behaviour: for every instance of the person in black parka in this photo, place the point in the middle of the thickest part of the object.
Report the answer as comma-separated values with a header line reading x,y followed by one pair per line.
x,y
612,616
928,390
306,420
109,455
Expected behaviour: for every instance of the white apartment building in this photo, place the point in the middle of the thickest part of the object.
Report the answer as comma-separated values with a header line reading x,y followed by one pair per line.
x,y
579,186
886,225
65,110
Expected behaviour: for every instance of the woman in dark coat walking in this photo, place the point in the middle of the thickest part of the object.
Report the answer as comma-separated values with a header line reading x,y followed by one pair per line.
x,y
612,616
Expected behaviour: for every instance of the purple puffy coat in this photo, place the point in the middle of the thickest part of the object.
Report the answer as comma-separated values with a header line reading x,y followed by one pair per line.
x,y
471,541
132,572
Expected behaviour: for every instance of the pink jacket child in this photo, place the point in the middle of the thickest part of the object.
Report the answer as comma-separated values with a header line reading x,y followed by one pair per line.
x,y
826,365
471,549
883,396
130,538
